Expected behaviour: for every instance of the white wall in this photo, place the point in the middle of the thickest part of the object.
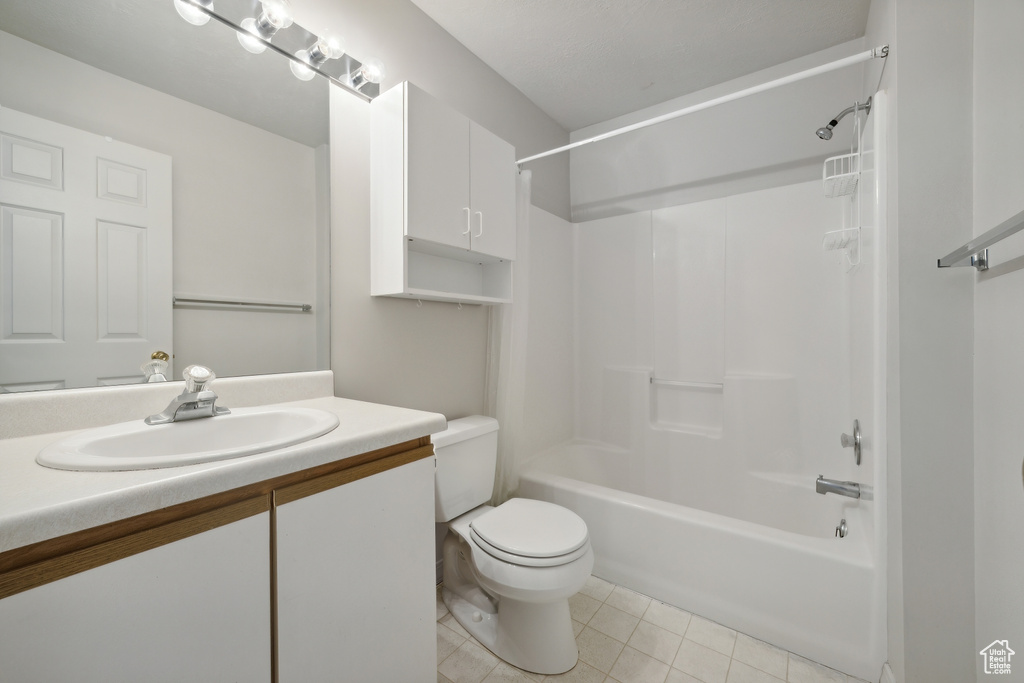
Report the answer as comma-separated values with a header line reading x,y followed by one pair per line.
x,y
429,357
243,227
762,141
936,316
998,328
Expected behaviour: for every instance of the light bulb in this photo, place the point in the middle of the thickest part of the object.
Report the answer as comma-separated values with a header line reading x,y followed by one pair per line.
x,y
276,13
326,48
301,71
192,14
272,19
248,37
372,71
313,58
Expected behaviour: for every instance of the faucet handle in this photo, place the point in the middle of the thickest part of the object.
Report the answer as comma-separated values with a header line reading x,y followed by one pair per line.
x,y
852,440
196,378
155,369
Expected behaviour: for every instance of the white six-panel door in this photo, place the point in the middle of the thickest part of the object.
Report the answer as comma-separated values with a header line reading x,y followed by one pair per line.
x,y
85,256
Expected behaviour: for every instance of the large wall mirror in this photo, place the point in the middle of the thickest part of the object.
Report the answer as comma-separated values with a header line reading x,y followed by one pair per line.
x,y
151,169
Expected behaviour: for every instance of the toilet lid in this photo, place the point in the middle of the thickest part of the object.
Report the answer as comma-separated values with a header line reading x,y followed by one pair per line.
x,y
531,528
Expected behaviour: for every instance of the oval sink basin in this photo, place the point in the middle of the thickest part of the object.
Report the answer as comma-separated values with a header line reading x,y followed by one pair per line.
x,y
139,446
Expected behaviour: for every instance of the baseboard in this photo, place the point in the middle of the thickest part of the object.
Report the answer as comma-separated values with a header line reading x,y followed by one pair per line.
x,y
887,675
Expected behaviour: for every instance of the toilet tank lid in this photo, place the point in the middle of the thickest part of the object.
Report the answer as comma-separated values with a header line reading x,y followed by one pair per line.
x,y
464,428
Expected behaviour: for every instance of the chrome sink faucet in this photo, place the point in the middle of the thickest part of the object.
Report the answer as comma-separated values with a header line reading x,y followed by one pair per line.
x,y
195,402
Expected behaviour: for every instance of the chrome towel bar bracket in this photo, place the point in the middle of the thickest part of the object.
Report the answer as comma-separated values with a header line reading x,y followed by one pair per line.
x,y
975,252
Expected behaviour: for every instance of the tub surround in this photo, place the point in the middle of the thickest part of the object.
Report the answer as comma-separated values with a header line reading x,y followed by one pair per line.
x,y
38,503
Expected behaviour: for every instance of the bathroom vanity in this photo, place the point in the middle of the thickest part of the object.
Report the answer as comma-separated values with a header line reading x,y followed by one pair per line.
x,y
313,562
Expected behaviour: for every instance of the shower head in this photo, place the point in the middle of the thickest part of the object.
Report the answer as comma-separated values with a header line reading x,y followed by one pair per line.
x,y
825,133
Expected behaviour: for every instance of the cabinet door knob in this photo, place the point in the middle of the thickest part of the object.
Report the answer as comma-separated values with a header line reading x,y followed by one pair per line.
x,y
481,214
468,225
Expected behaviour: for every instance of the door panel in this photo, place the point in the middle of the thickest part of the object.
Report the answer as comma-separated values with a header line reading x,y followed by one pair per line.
x,y
31,243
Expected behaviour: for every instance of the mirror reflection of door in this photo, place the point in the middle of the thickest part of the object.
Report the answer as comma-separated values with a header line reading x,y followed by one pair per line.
x,y
85,256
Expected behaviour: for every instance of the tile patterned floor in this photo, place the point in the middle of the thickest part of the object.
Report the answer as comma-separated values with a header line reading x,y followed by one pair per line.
x,y
625,637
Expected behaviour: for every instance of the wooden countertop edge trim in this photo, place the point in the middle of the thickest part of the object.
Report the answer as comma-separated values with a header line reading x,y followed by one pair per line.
x,y
74,562
310,487
25,556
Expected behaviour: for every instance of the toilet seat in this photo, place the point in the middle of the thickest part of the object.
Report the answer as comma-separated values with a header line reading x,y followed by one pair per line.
x,y
526,561
531,533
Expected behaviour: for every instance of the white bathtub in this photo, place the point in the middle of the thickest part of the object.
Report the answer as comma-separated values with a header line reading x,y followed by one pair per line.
x,y
754,552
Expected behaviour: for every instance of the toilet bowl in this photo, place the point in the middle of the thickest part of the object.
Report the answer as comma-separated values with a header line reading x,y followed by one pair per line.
x,y
508,571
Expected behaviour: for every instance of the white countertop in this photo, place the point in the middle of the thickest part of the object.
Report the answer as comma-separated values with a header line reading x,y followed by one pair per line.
x,y
39,503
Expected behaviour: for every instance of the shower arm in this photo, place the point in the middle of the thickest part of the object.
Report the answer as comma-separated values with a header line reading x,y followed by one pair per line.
x,y
866,106
825,132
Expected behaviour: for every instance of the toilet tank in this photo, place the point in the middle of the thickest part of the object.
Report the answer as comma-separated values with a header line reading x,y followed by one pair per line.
x,y
467,453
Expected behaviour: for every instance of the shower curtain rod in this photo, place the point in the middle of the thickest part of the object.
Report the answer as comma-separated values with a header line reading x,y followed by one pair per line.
x,y
881,51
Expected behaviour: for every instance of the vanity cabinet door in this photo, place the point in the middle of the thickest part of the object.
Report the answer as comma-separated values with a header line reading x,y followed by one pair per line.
x,y
355,579
196,609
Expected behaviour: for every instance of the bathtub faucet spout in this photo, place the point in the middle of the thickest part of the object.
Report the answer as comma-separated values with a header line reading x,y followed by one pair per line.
x,y
850,489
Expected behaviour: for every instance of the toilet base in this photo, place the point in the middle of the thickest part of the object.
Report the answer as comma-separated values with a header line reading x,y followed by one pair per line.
x,y
535,637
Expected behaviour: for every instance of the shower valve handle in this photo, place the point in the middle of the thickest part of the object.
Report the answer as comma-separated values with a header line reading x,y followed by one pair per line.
x,y
852,441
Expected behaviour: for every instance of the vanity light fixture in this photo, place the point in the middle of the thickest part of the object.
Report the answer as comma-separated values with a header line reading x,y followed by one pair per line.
x,y
190,12
371,71
318,53
258,30
273,22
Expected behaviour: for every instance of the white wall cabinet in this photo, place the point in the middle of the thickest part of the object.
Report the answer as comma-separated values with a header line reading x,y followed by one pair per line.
x,y
443,202
355,576
196,609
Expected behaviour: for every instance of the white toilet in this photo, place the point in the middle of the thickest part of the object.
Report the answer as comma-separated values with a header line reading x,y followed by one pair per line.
x,y
510,570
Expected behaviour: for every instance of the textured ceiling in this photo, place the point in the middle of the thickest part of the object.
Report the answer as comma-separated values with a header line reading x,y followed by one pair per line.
x,y
587,61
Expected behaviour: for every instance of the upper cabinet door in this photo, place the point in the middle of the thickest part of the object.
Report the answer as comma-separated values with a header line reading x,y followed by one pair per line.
x,y
492,193
437,177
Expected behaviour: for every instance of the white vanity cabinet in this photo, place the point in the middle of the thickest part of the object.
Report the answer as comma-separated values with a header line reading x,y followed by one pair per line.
x,y
319,574
355,576
195,609
443,202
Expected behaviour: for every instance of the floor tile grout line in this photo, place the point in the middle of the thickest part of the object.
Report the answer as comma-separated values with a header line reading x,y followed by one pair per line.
x,y
683,638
